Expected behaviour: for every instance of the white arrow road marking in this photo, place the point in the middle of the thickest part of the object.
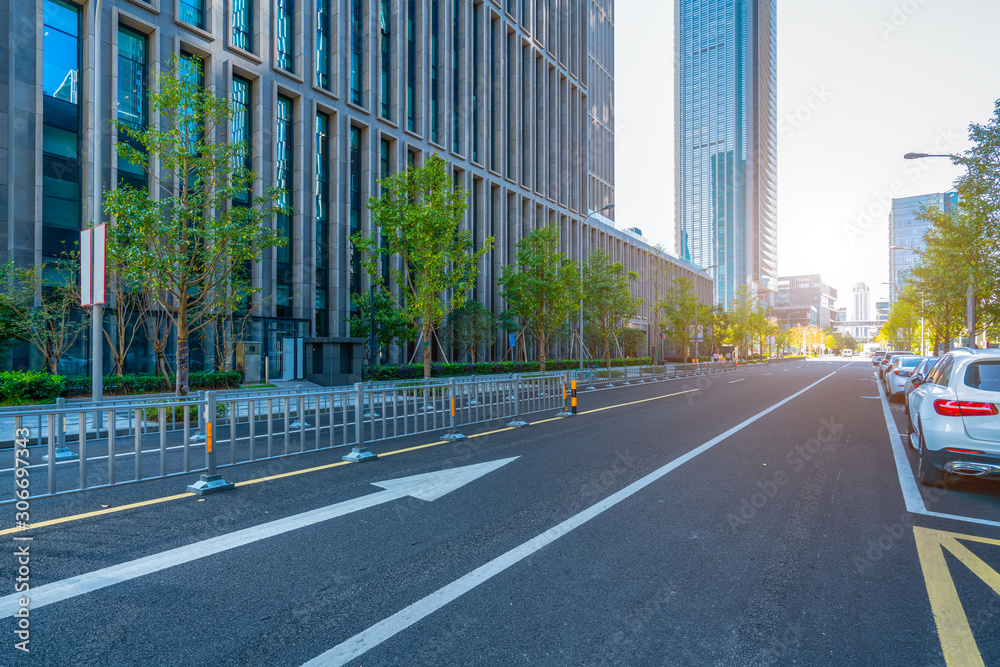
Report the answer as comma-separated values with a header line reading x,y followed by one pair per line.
x,y
368,639
429,486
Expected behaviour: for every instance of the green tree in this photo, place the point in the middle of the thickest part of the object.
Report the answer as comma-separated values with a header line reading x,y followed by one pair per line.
x,y
11,332
741,331
542,288
44,304
418,219
607,298
391,324
470,327
682,313
184,239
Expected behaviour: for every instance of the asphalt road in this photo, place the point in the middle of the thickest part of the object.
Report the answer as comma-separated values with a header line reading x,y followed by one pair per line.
x,y
755,518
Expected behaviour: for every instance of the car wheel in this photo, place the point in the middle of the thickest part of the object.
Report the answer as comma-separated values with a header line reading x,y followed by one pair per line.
x,y
929,475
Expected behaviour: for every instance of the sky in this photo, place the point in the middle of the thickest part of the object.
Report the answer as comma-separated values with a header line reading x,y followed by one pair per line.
x,y
860,83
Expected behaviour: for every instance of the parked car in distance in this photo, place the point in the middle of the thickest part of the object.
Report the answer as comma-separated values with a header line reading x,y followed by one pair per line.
x,y
954,421
897,374
847,353
887,359
877,357
918,375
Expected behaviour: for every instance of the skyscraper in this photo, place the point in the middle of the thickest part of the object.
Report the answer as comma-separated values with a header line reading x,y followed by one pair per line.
x,y
861,301
906,233
726,141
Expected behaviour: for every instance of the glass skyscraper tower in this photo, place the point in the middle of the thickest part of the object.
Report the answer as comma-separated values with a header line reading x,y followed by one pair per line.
x,y
726,136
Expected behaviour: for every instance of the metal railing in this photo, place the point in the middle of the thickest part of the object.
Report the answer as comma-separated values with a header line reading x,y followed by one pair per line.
x,y
783,360
591,378
77,447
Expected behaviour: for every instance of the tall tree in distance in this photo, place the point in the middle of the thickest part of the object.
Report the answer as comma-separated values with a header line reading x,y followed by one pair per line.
x,y
419,216
470,327
682,312
542,288
185,242
607,298
391,324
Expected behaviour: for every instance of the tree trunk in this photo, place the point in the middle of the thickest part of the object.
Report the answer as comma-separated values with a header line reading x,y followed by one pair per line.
x,y
182,388
607,351
541,352
427,350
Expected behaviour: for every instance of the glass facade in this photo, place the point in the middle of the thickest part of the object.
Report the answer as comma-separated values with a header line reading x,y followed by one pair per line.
x,y
726,141
283,170
193,12
355,205
435,83
907,230
357,49
385,58
286,35
322,150
477,28
132,108
242,128
243,24
456,77
411,66
323,43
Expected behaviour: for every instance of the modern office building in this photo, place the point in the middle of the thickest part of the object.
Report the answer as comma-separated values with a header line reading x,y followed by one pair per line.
x,y
881,310
861,302
805,301
330,98
906,234
726,127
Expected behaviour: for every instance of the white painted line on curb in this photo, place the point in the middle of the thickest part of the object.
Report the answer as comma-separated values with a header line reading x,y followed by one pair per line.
x,y
368,639
908,483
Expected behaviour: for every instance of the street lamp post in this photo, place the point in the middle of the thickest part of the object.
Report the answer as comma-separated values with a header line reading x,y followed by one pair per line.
x,y
97,326
584,222
970,296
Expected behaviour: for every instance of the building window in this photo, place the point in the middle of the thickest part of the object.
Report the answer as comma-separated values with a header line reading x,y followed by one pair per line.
x,y
477,11
355,204
243,24
323,44
61,195
411,66
385,74
132,90
322,223
286,35
435,92
494,105
456,76
193,12
242,130
357,48
284,181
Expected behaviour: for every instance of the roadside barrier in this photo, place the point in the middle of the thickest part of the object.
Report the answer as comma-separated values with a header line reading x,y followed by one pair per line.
x,y
84,445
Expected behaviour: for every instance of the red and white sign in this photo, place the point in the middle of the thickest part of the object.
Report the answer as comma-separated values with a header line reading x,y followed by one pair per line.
x,y
92,265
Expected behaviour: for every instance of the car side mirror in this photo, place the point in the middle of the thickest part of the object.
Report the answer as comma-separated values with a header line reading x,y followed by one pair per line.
x,y
918,380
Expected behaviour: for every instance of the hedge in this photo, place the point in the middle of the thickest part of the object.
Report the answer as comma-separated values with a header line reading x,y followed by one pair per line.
x,y
416,371
114,385
30,385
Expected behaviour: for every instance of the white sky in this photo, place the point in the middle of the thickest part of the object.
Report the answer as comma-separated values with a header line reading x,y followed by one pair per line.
x,y
883,77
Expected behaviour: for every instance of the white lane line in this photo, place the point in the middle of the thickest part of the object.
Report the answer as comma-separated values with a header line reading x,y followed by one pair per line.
x,y
735,381
908,483
403,619
766,374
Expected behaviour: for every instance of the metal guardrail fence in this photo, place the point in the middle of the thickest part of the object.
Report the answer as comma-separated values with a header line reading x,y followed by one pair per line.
x,y
74,447
783,360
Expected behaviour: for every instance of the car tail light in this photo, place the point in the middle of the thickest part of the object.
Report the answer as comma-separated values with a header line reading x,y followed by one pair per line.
x,y
961,451
964,408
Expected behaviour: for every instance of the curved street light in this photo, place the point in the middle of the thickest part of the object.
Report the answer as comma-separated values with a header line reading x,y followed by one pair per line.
x,y
584,222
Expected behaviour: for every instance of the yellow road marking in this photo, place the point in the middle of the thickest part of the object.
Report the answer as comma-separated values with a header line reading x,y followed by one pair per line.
x,y
957,642
154,501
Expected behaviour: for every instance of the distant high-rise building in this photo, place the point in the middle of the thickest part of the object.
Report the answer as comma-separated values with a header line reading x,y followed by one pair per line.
x,y
906,232
861,298
726,125
804,301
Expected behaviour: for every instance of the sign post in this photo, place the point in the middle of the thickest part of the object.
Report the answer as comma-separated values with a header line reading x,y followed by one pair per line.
x,y
93,271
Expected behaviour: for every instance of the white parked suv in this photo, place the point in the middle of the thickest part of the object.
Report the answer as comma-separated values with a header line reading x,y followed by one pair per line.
x,y
954,421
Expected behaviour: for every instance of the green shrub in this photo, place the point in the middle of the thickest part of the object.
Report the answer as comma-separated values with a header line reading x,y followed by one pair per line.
x,y
30,385
438,370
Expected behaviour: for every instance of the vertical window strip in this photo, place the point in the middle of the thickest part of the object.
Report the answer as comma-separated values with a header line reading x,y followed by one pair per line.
x,y
385,62
242,130
284,181
323,44
355,206
477,12
357,35
435,125
243,24
456,94
132,85
411,66
322,223
286,35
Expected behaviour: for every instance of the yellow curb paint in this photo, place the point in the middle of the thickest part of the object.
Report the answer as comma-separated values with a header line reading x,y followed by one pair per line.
x,y
109,510
957,641
645,400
